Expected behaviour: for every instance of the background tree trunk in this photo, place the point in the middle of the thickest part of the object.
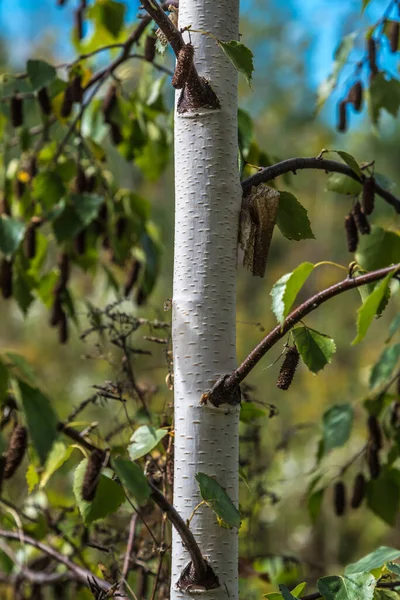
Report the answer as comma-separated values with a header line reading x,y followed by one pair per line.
x,y
208,197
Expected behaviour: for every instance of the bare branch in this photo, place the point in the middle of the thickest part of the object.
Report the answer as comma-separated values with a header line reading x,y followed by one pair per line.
x,y
291,165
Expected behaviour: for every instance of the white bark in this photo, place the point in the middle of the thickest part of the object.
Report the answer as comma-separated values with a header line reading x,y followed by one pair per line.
x,y
208,197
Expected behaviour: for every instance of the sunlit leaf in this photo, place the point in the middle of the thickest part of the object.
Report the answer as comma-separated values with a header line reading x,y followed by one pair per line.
x,y
343,184
11,234
59,454
350,161
368,310
373,560
340,58
32,478
240,56
285,290
144,439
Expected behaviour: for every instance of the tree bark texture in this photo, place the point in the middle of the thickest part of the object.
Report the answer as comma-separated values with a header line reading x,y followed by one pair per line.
x,y
208,199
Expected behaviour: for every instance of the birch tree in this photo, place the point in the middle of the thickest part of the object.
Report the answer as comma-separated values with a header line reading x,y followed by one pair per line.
x,y
61,198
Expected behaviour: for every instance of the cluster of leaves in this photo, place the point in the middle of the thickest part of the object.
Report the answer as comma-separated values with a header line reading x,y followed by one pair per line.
x,y
369,77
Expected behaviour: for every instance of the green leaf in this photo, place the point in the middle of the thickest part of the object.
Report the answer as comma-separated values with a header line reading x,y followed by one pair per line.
x,y
343,184
67,225
316,349
292,218
87,206
369,309
40,417
383,369
384,94
11,234
249,412
379,249
32,478
40,73
240,56
22,366
381,594
299,589
374,560
144,439
394,568
218,500
133,479
285,593
59,454
337,423
273,596
341,55
393,327
285,290
383,495
314,504
48,188
110,15
108,498
354,587
350,161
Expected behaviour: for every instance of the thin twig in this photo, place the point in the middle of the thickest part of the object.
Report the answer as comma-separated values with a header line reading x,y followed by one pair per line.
x,y
233,380
129,549
291,165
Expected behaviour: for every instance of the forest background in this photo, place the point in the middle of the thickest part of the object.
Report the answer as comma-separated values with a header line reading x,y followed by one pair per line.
x,y
293,50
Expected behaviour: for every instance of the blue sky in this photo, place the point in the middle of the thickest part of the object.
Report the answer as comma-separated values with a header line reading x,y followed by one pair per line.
x,y
23,23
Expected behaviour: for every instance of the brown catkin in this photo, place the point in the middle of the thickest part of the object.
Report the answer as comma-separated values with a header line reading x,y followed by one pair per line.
x,y
36,593
339,498
109,103
361,220
373,461
183,66
17,110
371,50
342,116
394,36
375,433
358,491
80,243
16,450
141,296
80,180
150,48
76,88
44,101
120,227
61,2
368,195
116,135
355,96
63,328
6,278
91,183
67,103
288,368
63,265
78,23
32,167
395,413
56,311
30,242
19,188
92,474
132,277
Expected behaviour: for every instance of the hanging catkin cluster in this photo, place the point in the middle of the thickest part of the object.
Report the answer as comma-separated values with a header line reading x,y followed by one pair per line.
x,y
15,451
92,474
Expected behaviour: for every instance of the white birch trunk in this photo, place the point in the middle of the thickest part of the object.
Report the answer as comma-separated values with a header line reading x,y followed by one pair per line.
x,y
208,197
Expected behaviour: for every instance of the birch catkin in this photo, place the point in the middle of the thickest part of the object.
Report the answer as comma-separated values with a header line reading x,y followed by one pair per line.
x,y
16,450
183,66
92,475
288,368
